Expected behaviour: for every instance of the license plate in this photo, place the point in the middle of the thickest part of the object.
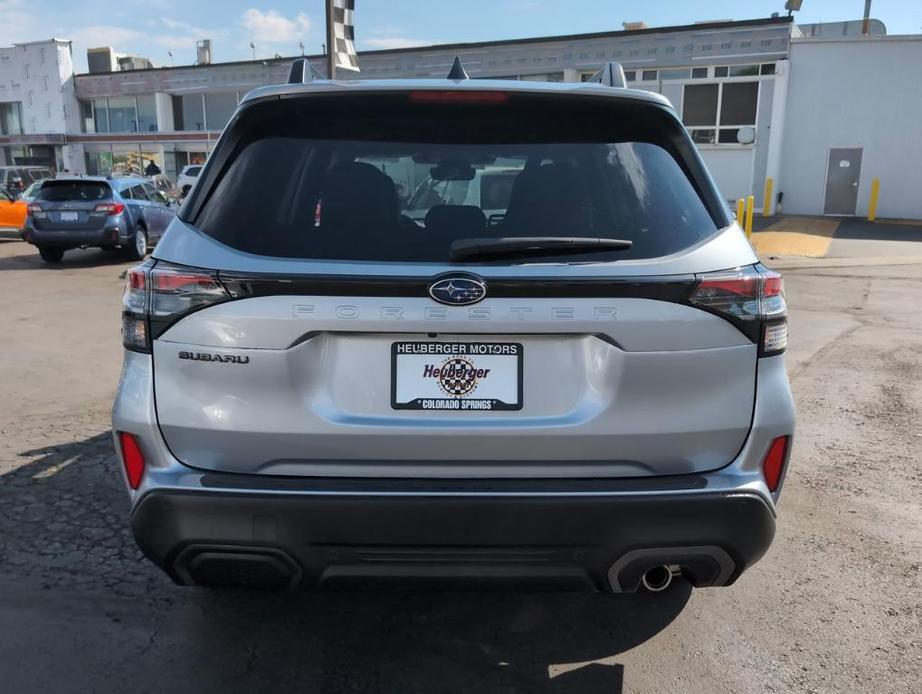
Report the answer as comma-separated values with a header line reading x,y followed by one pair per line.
x,y
462,376
70,216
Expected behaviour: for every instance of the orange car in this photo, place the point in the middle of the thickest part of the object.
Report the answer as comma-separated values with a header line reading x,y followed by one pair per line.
x,y
12,214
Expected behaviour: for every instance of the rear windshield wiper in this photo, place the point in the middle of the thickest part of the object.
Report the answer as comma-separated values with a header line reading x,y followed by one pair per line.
x,y
531,247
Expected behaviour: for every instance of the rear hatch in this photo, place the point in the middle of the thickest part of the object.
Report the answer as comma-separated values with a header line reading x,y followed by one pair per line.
x,y
305,324
71,205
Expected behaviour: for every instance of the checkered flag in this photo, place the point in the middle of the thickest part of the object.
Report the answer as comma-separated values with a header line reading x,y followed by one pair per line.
x,y
344,35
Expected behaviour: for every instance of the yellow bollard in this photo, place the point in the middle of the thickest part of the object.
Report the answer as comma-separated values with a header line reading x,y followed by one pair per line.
x,y
750,211
875,194
767,200
740,212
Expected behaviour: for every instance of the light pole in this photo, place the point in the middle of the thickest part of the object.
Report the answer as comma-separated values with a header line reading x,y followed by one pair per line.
x,y
253,48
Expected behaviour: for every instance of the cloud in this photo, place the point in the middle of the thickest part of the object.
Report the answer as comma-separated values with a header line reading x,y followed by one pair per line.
x,y
182,35
98,35
271,27
395,42
19,23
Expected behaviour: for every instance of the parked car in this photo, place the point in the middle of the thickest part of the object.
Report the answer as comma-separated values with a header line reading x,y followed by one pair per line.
x,y
591,392
28,195
187,178
15,179
12,216
109,213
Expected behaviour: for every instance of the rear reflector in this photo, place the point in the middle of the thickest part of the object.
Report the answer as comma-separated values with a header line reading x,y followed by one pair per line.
x,y
773,465
131,459
458,97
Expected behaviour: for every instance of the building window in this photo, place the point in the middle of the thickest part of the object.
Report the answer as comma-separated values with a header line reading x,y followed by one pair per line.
x,y
648,75
714,113
123,114
11,118
699,73
744,70
101,115
670,50
191,111
675,74
722,71
699,107
219,108
147,114
630,75
86,117
768,69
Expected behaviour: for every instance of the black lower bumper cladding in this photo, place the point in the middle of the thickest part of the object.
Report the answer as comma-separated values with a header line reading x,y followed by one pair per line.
x,y
312,540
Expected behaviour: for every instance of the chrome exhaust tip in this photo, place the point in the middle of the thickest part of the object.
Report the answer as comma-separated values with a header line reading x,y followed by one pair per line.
x,y
657,579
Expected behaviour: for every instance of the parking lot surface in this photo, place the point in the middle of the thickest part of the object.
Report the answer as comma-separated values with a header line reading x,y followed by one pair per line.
x,y
835,606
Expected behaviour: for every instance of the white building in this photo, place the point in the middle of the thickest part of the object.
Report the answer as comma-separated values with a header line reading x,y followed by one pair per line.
x,y
854,113
38,107
831,111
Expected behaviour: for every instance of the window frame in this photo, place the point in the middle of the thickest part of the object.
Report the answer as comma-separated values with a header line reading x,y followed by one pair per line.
x,y
719,125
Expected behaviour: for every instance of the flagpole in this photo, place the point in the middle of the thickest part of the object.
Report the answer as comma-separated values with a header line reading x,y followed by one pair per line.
x,y
331,42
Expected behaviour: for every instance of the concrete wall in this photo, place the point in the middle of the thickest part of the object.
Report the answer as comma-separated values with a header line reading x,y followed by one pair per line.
x,y
862,92
731,169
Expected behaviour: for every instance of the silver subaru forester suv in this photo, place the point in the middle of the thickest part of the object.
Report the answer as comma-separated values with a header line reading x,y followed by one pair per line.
x,y
579,382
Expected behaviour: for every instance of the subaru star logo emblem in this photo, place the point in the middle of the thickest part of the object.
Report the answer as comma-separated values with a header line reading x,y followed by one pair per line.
x,y
458,290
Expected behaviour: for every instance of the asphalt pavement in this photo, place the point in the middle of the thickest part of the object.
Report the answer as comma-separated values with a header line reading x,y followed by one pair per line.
x,y
835,606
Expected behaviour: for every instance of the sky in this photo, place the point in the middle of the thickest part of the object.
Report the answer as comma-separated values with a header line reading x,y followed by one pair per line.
x,y
153,28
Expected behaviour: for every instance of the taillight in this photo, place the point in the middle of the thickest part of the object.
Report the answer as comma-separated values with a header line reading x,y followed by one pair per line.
x,y
111,208
773,464
36,211
752,298
132,459
158,294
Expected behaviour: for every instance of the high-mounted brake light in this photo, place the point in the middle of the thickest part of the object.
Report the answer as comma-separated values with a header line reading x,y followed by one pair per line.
x,y
752,298
458,97
132,459
157,295
111,208
773,464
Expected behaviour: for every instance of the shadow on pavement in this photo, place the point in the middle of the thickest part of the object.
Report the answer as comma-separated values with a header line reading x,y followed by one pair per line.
x,y
77,258
102,618
879,231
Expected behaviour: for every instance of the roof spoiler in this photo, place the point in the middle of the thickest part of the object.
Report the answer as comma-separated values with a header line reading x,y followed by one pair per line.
x,y
611,75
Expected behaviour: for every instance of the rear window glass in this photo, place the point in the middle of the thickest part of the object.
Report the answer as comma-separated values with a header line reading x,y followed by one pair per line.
x,y
77,191
193,171
387,178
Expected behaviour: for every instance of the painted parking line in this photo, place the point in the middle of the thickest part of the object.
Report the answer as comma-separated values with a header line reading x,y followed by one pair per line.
x,y
803,236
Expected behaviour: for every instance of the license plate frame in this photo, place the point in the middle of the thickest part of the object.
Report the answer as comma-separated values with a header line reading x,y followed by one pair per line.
x,y
494,357
70,216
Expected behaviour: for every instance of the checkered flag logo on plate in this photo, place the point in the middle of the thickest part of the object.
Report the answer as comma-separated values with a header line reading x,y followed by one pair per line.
x,y
344,35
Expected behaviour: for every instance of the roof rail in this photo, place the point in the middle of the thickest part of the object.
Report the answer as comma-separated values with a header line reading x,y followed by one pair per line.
x,y
611,75
300,72
457,71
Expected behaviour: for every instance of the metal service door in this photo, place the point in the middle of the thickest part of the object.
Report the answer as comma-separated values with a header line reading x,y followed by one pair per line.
x,y
842,175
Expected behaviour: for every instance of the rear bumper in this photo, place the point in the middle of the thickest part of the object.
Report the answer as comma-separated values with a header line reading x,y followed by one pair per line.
x,y
578,540
111,235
